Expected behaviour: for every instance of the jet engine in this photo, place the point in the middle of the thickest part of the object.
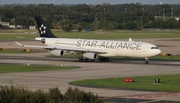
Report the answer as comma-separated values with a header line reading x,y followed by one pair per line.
x,y
90,55
57,52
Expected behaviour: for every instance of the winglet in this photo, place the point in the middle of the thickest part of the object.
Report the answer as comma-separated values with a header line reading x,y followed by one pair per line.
x,y
130,39
19,43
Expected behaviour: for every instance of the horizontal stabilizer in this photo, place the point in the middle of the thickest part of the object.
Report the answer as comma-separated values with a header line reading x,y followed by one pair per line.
x,y
19,43
35,46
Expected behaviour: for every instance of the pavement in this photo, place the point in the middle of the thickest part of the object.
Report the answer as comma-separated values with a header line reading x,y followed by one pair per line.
x,y
115,68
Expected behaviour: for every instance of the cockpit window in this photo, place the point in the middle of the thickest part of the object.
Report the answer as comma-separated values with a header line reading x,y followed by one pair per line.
x,y
154,47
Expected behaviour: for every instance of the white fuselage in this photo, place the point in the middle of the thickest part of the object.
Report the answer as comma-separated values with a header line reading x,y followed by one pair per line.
x,y
111,47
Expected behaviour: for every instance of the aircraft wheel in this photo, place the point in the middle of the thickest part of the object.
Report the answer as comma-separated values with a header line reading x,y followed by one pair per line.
x,y
107,59
86,60
80,59
92,60
146,60
103,59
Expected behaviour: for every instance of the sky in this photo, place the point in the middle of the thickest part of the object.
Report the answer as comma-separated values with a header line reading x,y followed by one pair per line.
x,y
57,2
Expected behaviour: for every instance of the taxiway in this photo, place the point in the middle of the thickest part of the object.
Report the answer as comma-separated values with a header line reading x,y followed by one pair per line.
x,y
92,70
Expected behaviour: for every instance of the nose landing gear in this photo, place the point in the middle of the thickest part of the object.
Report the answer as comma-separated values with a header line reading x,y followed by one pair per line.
x,y
146,60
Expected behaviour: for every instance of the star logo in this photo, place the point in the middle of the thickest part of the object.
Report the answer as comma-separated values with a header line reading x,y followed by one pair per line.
x,y
42,29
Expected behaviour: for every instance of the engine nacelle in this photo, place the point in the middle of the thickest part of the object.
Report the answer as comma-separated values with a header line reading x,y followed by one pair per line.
x,y
57,52
90,55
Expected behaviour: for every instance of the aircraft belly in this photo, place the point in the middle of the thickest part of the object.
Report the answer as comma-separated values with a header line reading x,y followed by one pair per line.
x,y
128,53
122,52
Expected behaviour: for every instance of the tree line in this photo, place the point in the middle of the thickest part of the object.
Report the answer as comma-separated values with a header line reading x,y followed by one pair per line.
x,y
97,17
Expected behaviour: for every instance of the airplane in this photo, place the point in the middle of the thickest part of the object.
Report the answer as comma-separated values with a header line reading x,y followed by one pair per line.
x,y
91,49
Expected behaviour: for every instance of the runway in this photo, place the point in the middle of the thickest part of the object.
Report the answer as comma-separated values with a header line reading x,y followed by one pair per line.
x,y
90,70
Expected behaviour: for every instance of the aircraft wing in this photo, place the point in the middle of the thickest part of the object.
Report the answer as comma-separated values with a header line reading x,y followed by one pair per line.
x,y
82,49
64,48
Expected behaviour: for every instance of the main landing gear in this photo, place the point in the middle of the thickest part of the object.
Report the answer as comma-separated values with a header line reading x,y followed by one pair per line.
x,y
146,60
103,59
86,60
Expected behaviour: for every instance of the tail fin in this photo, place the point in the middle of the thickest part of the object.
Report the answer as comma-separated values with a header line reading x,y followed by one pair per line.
x,y
44,30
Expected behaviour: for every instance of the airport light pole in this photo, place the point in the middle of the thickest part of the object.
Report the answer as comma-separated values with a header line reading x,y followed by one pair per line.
x,y
172,12
126,10
164,14
142,18
104,14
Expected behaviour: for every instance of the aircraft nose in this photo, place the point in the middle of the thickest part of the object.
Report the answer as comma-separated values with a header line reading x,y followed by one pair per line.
x,y
158,51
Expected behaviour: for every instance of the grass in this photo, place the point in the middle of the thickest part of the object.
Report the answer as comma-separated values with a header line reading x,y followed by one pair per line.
x,y
167,83
9,68
18,31
17,36
14,51
94,35
120,34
